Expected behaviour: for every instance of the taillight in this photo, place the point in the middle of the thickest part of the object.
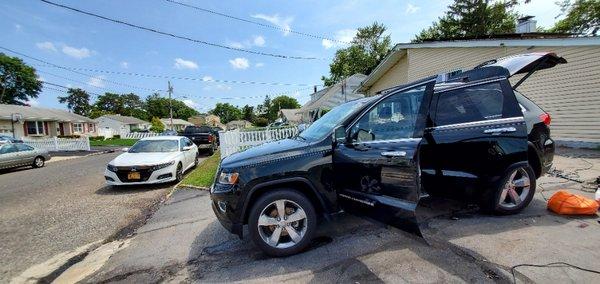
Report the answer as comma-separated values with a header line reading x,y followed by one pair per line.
x,y
545,118
209,138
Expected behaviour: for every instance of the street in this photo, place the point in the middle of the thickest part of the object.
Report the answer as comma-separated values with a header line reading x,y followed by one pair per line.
x,y
60,207
183,242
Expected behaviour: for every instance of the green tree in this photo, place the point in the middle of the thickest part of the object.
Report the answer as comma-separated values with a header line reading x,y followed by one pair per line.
x,y
472,18
157,106
366,50
226,112
18,81
157,125
78,101
260,122
248,113
582,17
110,103
281,102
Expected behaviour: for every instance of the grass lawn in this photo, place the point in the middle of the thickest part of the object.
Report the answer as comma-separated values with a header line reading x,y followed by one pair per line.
x,y
113,142
204,174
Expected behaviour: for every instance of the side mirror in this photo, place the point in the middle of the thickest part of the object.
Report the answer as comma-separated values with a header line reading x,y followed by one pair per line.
x,y
187,148
125,149
339,134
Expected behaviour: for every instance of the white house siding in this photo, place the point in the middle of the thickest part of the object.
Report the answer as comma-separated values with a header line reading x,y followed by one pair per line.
x,y
119,127
569,92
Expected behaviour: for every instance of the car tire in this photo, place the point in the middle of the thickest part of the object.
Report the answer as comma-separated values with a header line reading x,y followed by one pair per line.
x,y
512,193
179,173
211,150
38,162
196,161
267,208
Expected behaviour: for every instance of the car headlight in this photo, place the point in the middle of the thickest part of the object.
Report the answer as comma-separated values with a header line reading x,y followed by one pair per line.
x,y
111,168
228,178
162,166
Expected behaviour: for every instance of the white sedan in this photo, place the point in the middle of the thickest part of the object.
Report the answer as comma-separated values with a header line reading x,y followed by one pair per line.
x,y
153,160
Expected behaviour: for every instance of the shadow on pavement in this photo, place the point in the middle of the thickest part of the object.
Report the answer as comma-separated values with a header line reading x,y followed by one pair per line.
x,y
131,189
342,247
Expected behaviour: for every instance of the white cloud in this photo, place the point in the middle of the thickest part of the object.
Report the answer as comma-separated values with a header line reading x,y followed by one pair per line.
x,y
207,78
190,103
124,64
411,9
185,64
96,81
259,41
341,37
218,87
236,44
46,46
78,53
259,64
281,22
239,63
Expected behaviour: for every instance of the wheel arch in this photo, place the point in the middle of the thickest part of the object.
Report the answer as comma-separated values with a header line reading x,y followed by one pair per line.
x,y
300,184
534,159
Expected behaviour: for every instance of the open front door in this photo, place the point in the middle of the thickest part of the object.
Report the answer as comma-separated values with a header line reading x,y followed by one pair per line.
x,y
377,169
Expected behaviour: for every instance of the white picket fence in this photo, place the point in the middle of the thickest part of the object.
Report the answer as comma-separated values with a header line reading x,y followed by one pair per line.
x,y
138,135
60,144
235,140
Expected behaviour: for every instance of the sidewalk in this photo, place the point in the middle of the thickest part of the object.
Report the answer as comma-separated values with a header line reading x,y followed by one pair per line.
x,y
184,242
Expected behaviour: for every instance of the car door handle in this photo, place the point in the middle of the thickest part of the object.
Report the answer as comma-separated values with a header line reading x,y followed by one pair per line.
x,y
500,130
393,154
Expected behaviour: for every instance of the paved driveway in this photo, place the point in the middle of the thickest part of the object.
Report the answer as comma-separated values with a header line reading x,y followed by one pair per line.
x,y
62,206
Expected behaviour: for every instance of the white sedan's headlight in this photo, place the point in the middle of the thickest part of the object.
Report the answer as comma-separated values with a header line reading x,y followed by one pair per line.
x,y
162,166
228,178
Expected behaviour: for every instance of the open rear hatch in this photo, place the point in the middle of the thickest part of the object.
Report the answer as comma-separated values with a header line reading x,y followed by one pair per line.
x,y
527,64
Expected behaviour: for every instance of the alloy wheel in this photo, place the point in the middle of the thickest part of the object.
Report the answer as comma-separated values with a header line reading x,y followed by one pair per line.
x,y
515,189
179,173
282,224
39,162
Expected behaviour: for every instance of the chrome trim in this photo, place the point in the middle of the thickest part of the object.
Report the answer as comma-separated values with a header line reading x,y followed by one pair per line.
x,y
499,130
478,123
388,141
393,153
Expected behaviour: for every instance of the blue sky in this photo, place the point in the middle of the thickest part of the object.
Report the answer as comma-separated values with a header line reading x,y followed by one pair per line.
x,y
73,40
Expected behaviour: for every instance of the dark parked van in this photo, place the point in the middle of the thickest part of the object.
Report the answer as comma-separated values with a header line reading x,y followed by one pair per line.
x,y
457,134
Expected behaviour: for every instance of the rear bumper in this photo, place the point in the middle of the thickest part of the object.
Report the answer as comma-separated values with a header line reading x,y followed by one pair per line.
x,y
547,155
204,146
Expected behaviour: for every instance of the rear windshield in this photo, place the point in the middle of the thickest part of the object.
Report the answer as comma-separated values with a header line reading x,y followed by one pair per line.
x,y
154,146
197,129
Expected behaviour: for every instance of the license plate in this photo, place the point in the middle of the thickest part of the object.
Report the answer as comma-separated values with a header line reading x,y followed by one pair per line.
x,y
133,175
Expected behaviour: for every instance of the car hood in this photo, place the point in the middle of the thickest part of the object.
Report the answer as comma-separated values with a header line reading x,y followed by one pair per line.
x,y
143,159
265,152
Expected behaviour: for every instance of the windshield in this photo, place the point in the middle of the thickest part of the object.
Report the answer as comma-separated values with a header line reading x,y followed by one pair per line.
x,y
153,146
324,125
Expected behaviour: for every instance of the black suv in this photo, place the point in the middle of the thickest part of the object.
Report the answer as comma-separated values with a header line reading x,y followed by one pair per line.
x,y
457,134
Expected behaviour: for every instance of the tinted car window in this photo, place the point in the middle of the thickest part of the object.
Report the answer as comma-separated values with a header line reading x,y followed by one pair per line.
x,y
392,118
23,147
474,103
151,146
7,149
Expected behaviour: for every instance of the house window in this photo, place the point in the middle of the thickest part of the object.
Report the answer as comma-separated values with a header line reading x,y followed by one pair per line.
x,y
91,127
35,127
78,127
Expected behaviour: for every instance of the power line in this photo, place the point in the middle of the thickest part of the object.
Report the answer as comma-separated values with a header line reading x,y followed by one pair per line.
x,y
255,22
65,87
211,80
174,35
77,72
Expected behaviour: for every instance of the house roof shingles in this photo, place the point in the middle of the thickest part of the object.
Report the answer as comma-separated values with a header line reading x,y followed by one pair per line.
x,y
125,119
38,113
176,121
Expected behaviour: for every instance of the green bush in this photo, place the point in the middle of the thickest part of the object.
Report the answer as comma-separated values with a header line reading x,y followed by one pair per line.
x,y
96,138
116,137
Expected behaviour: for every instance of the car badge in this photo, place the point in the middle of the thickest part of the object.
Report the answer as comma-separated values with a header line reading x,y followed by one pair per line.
x,y
134,169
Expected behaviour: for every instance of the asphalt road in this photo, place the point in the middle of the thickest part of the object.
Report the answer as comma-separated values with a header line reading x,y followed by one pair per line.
x,y
60,207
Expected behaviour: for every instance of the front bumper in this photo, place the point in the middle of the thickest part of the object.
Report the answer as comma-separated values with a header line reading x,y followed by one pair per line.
x,y
166,175
225,205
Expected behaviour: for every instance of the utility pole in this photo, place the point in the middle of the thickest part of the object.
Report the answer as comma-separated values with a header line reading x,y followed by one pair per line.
x,y
170,91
